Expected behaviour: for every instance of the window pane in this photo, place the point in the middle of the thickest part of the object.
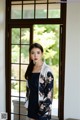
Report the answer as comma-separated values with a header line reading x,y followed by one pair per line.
x,y
28,11
16,2
16,11
24,53
25,35
41,11
15,53
14,88
54,1
23,70
49,34
54,11
15,71
23,88
41,1
14,117
28,2
14,105
22,108
22,117
15,36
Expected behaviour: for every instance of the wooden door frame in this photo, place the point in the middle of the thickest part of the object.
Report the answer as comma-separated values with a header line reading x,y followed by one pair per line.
x,y
22,23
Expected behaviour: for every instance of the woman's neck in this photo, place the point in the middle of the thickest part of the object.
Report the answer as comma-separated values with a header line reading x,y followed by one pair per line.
x,y
38,64
37,67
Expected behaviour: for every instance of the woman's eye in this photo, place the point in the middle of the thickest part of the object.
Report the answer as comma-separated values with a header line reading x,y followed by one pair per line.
x,y
32,52
38,52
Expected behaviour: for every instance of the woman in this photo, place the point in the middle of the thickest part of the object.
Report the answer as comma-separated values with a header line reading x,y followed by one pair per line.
x,y
39,80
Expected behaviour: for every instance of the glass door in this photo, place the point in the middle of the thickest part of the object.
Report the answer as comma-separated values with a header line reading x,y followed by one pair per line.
x,y
49,37
20,42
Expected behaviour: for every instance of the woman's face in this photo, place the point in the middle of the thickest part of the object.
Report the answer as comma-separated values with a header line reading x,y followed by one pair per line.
x,y
36,55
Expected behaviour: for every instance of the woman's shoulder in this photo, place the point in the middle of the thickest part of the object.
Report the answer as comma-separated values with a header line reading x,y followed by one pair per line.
x,y
46,67
47,71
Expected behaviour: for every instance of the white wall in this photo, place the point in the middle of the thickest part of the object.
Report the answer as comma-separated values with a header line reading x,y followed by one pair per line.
x,y
72,73
2,55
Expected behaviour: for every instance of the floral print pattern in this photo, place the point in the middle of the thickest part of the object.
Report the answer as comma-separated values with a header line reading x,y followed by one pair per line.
x,y
45,92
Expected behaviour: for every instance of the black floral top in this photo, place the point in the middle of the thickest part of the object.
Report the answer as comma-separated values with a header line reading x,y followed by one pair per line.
x,y
45,92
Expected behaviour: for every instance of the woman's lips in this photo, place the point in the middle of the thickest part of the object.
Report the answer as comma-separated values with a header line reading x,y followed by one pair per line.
x,y
35,59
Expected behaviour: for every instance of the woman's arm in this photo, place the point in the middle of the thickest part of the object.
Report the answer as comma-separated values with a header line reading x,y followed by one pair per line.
x,y
48,94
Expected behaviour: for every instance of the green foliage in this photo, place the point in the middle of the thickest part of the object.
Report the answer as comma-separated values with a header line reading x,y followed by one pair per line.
x,y
48,36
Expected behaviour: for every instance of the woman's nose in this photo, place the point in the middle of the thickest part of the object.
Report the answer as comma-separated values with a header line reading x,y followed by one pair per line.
x,y
35,54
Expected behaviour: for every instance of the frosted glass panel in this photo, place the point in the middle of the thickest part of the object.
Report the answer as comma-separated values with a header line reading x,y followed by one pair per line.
x,y
16,11
54,11
41,10
35,9
28,11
